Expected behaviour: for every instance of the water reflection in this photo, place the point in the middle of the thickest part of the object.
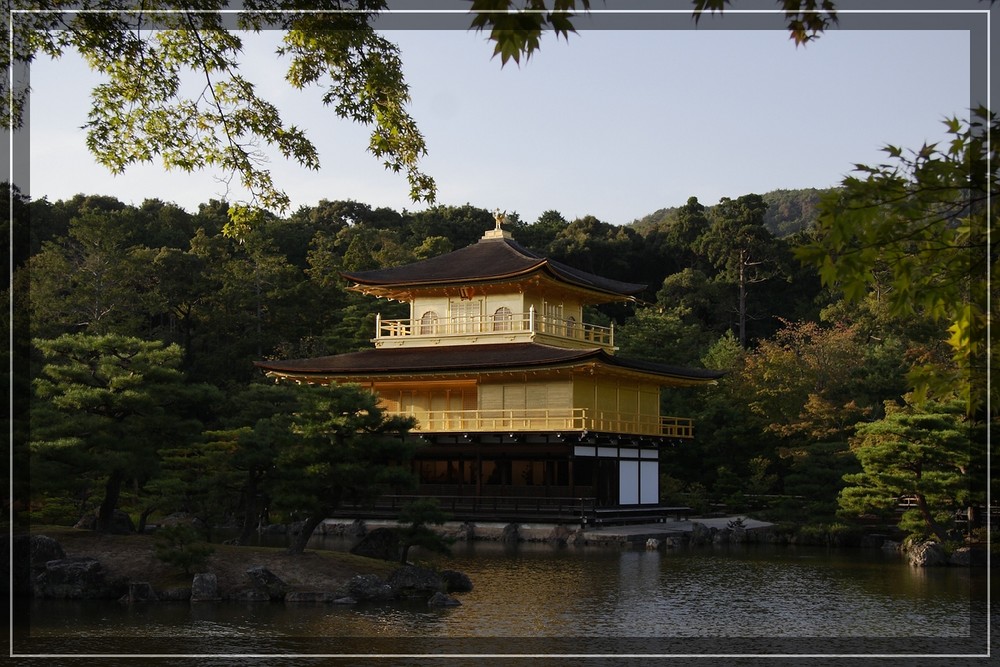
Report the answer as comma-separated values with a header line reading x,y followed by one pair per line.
x,y
535,597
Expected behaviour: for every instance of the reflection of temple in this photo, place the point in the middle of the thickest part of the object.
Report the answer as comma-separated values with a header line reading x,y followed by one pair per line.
x,y
515,395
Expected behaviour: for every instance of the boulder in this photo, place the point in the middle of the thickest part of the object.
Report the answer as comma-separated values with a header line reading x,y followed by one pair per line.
x,y
927,554
961,557
456,582
652,544
440,599
31,553
411,581
78,578
382,543
560,535
700,534
968,557
204,587
266,582
121,523
366,588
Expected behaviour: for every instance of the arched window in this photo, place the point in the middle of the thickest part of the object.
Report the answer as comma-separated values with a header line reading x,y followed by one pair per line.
x,y
571,327
428,323
503,319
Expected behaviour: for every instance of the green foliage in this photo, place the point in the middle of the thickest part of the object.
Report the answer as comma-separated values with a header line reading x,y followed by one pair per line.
x,y
143,111
813,480
918,453
790,212
915,231
55,510
661,336
104,406
346,450
742,250
415,517
180,545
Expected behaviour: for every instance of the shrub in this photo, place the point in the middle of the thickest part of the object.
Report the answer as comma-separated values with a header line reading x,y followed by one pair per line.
x,y
181,545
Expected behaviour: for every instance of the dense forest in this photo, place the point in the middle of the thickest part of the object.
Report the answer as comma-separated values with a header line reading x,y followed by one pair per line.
x,y
810,376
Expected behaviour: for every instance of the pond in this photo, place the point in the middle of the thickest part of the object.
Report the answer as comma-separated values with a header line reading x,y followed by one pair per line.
x,y
535,599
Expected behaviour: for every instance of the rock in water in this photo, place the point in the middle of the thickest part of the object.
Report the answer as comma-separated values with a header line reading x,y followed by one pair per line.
x,y
78,578
204,587
31,553
442,600
365,588
410,581
456,582
927,554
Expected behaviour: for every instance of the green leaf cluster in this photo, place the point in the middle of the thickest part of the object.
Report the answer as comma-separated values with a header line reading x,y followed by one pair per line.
x,y
922,454
915,231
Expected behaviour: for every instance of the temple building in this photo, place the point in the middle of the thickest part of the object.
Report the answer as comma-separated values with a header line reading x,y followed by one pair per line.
x,y
514,393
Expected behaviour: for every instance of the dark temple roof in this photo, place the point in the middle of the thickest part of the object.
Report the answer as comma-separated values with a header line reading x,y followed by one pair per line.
x,y
487,260
456,358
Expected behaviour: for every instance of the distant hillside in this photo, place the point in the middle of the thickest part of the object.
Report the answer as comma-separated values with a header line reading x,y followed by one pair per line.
x,y
788,212
791,211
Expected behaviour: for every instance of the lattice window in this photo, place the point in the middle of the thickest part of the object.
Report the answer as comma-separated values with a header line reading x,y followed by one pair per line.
x,y
428,323
465,316
503,319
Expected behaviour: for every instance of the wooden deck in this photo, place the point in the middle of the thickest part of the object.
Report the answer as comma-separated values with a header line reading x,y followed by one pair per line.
x,y
579,511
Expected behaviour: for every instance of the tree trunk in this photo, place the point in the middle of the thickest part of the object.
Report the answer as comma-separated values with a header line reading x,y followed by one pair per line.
x,y
299,542
935,527
251,509
743,300
112,490
141,528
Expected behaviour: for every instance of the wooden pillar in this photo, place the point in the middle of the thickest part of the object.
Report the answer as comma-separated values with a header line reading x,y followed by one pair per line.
x,y
479,472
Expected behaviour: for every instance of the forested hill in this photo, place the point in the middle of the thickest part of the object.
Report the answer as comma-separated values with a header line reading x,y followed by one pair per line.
x,y
788,212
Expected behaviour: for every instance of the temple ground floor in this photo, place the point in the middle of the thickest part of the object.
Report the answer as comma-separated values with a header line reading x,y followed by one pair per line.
x,y
610,469
582,478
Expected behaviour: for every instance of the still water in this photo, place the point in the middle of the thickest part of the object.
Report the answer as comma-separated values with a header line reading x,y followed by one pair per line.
x,y
536,599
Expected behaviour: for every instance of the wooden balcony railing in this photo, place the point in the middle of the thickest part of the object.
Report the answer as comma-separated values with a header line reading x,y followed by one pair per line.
x,y
544,419
510,323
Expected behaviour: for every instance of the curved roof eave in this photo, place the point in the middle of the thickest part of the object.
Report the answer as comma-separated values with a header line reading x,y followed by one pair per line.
x,y
486,261
474,359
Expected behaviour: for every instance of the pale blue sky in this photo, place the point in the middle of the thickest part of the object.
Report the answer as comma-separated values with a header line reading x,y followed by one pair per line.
x,y
614,123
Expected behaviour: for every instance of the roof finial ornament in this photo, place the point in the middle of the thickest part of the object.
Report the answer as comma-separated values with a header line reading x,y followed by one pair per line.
x,y
497,233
